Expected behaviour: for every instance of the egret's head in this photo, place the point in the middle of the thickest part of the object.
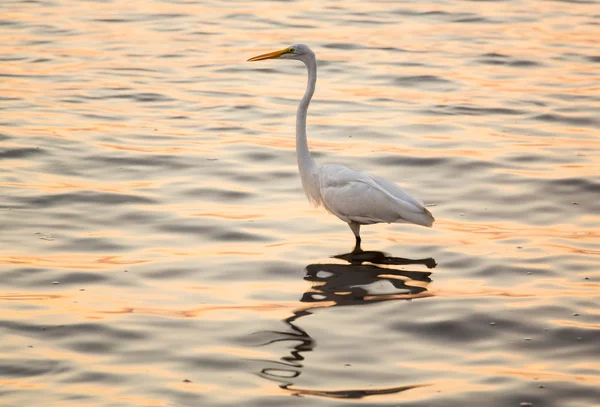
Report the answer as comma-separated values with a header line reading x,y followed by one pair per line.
x,y
298,51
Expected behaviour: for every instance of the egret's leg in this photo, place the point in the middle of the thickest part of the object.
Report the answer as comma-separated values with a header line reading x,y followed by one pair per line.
x,y
355,227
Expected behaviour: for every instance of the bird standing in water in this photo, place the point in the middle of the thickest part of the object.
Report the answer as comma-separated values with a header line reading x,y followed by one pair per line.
x,y
355,197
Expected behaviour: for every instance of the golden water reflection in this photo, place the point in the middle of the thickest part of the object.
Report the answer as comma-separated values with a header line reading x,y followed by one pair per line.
x,y
151,217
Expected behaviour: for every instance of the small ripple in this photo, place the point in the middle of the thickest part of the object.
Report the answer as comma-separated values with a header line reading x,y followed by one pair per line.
x,y
28,76
260,156
157,161
449,330
102,117
91,244
94,330
137,217
214,363
37,42
282,174
170,273
410,81
529,158
431,13
93,347
244,107
473,111
410,161
231,236
138,97
179,228
32,367
203,33
87,197
390,49
95,377
226,129
9,59
102,330
495,55
235,69
40,278
113,20
507,270
20,153
446,16
130,69
171,56
568,120
217,194
346,46
40,60
472,19
8,23
47,30
581,183
221,233
523,63
247,178
365,21
494,58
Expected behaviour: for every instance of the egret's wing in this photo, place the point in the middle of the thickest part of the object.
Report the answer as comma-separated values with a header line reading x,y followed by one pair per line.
x,y
413,209
355,196
396,191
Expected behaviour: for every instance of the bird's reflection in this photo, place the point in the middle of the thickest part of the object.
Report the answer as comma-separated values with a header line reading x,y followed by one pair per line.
x,y
361,281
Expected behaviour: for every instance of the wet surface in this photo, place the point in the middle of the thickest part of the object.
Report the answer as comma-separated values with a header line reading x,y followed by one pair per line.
x,y
156,247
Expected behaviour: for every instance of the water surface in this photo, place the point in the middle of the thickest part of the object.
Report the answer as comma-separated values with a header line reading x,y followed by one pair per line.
x,y
156,247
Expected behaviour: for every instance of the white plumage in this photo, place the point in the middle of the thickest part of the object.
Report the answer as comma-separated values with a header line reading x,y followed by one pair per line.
x,y
355,197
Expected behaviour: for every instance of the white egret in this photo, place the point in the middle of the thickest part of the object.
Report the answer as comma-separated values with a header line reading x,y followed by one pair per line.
x,y
355,197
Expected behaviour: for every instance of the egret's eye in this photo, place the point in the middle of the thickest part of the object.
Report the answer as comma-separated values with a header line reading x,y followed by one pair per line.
x,y
291,49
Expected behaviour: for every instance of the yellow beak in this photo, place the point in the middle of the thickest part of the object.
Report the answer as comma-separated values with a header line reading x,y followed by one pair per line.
x,y
270,55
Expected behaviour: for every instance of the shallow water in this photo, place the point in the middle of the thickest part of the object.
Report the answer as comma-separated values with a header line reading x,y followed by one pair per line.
x,y
156,247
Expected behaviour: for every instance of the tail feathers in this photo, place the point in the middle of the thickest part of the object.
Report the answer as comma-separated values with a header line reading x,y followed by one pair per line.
x,y
423,218
429,217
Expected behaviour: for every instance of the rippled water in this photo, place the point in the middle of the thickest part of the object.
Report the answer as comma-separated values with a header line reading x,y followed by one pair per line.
x,y
156,247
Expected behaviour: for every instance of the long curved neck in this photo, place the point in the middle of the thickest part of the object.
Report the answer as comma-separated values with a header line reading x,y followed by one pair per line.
x,y
305,161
